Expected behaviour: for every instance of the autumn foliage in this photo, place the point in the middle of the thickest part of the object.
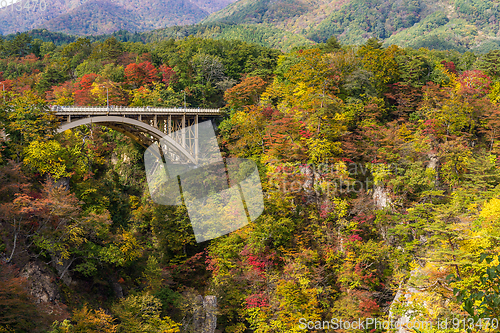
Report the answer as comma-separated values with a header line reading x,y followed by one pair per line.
x,y
379,168
141,74
83,88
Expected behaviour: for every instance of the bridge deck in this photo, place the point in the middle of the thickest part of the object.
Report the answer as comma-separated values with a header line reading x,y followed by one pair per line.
x,y
127,110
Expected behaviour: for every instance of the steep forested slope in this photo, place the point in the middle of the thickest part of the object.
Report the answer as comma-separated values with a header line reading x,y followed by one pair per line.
x,y
380,169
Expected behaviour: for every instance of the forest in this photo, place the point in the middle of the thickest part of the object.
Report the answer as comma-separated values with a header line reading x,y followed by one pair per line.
x,y
380,167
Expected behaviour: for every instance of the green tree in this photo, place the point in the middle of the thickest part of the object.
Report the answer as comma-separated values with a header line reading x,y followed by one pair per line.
x,y
374,43
27,118
141,314
153,274
481,300
490,64
331,45
382,63
113,73
19,46
89,66
53,75
47,48
110,50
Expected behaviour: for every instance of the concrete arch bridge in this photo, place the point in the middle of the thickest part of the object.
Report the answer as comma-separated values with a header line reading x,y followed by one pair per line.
x,y
146,125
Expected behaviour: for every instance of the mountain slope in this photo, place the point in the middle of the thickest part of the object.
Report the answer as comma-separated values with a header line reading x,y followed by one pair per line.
x,y
83,17
251,33
93,17
444,24
261,11
358,19
287,14
458,24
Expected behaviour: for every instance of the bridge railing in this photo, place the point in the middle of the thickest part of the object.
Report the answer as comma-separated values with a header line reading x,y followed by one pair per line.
x,y
129,110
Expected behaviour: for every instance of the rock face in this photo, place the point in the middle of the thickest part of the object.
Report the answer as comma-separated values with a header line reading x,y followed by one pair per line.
x,y
205,314
433,164
61,182
117,288
210,307
380,197
405,318
433,161
114,158
198,314
309,178
403,297
42,284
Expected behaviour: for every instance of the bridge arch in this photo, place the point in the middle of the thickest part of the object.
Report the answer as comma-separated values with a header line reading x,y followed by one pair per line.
x,y
135,129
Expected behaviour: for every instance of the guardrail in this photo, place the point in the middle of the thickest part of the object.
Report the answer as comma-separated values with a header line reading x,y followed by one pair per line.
x,y
68,110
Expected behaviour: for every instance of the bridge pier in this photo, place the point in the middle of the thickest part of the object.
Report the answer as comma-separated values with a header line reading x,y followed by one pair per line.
x,y
183,133
196,138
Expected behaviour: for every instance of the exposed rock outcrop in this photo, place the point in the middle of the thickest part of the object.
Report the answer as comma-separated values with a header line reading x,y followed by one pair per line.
x,y
205,314
381,197
42,283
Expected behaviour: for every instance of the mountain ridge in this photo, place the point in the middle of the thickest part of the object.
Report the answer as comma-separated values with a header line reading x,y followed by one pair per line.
x,y
105,16
284,24
470,24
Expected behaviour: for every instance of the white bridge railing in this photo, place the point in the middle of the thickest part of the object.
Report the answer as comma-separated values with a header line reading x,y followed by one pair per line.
x,y
73,110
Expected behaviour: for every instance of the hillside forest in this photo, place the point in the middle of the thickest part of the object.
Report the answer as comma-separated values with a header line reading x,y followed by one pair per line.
x,y
380,168
443,24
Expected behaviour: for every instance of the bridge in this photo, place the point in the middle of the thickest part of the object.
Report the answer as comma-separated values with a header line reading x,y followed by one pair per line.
x,y
145,125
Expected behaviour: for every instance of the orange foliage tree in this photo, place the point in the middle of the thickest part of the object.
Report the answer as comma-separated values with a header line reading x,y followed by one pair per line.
x,y
141,74
245,93
83,95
